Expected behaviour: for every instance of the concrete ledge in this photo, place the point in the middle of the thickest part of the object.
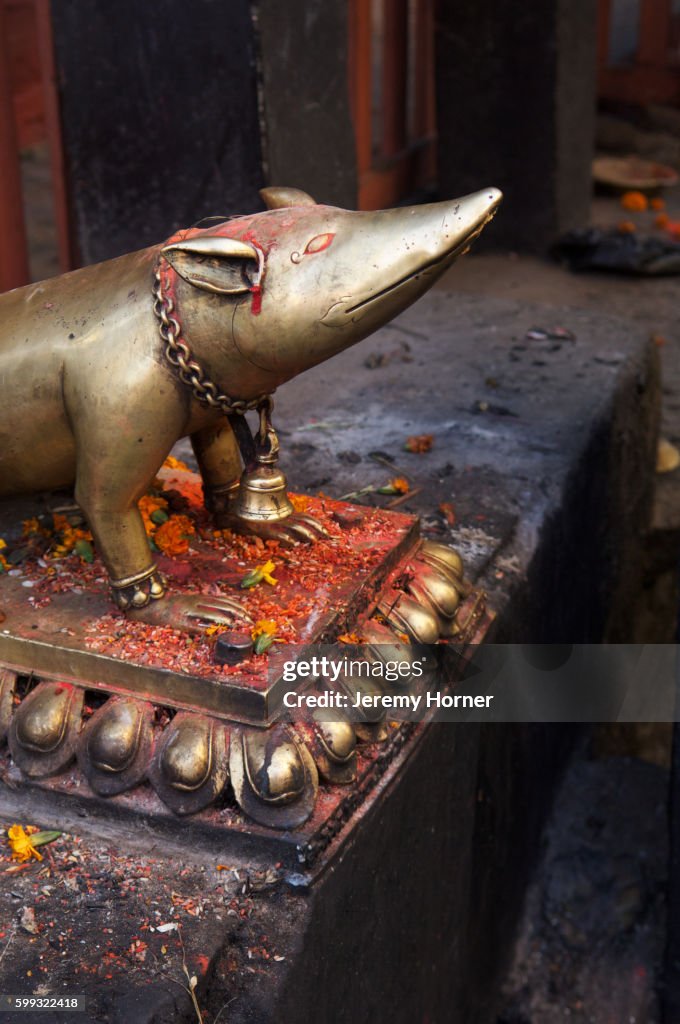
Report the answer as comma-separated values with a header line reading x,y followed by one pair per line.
x,y
546,449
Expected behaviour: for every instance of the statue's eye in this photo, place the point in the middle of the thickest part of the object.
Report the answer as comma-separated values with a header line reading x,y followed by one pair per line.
x,y
319,243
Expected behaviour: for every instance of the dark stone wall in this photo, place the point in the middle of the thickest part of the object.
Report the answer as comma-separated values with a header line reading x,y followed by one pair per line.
x,y
414,920
516,109
159,117
308,127
575,111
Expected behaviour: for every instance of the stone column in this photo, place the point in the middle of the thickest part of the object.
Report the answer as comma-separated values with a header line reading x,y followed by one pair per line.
x,y
516,109
307,120
159,117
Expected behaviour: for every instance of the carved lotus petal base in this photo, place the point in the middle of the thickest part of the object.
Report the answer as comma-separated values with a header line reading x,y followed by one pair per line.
x,y
44,729
8,681
371,732
115,746
273,775
380,643
436,591
442,557
190,766
333,747
407,614
435,584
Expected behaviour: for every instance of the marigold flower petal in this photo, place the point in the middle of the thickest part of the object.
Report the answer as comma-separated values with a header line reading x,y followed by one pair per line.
x,y
172,463
172,536
419,443
634,201
262,627
21,845
300,502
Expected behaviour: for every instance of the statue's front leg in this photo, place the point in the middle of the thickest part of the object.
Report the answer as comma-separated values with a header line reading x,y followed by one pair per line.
x,y
234,498
109,483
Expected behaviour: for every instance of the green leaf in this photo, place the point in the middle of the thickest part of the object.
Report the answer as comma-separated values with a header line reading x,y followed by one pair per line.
x,y
43,838
251,579
159,516
263,643
85,550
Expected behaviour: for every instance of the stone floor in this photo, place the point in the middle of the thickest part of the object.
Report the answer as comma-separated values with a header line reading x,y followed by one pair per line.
x,y
592,936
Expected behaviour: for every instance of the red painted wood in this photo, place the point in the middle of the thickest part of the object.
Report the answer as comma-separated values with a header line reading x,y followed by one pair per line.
x,y
14,269
50,101
395,144
360,56
654,77
655,25
394,77
24,70
604,8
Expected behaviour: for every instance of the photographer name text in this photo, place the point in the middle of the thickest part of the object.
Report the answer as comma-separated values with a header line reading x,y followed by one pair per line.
x,y
410,701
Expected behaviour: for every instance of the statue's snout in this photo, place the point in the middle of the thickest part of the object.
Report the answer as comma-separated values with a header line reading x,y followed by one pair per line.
x,y
406,250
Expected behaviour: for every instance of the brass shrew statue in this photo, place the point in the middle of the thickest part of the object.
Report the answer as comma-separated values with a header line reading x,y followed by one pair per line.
x,y
103,369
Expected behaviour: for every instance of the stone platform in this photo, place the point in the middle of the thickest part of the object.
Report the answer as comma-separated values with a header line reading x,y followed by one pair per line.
x,y
540,473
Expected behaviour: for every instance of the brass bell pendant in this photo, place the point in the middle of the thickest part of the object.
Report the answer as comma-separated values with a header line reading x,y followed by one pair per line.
x,y
262,495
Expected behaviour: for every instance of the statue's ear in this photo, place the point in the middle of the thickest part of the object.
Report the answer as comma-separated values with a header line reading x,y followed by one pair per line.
x,y
277,197
222,265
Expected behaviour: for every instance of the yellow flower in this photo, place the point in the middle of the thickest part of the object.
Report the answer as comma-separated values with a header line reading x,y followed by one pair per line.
x,y
300,502
263,633
258,574
264,626
20,842
401,485
70,538
172,463
397,485
267,569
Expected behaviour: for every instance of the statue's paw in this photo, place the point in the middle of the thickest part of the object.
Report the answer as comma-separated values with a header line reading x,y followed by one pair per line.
x,y
298,528
192,613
